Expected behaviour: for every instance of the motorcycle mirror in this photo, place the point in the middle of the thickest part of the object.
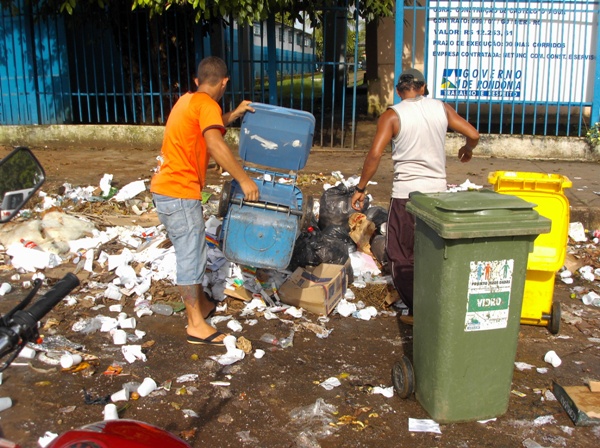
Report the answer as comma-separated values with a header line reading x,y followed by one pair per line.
x,y
21,175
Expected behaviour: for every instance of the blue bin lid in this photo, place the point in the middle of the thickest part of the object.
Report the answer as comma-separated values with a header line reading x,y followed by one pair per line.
x,y
277,137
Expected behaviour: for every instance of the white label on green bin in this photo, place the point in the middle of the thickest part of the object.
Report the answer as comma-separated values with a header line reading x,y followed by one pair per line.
x,y
489,295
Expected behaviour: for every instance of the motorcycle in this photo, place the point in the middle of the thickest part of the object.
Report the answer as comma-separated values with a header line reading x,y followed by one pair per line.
x,y
21,176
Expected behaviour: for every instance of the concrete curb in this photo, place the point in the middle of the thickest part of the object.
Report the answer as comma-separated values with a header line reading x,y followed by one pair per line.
x,y
150,137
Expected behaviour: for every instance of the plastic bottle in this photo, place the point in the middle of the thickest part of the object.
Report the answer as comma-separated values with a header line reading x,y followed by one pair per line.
x,y
269,339
29,244
287,342
162,309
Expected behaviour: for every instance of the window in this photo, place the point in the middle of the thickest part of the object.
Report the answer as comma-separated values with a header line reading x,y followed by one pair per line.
x,y
299,39
280,39
257,29
290,36
307,42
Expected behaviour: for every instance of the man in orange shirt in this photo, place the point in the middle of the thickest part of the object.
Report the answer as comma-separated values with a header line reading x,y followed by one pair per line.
x,y
194,132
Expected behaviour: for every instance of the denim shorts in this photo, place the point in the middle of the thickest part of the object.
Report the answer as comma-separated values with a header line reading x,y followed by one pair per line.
x,y
184,222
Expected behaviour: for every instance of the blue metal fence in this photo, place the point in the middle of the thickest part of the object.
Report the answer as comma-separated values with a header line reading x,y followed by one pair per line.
x,y
516,67
115,66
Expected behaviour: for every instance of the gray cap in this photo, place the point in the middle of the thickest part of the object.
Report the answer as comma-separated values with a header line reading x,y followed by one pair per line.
x,y
411,74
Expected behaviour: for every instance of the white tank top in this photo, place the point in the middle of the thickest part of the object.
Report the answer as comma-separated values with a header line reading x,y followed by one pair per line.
x,y
418,150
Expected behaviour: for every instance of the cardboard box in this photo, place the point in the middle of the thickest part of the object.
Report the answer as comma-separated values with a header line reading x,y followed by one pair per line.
x,y
580,403
316,289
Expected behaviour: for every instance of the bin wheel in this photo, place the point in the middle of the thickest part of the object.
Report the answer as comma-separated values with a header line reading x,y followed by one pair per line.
x,y
403,377
224,200
307,213
554,323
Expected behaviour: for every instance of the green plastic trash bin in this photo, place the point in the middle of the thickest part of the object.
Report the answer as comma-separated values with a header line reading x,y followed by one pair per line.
x,y
471,252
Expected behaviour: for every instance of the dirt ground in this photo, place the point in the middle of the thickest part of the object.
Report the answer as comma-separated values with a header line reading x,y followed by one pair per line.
x,y
256,408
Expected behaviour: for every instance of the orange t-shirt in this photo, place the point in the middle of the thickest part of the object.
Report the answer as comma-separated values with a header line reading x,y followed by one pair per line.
x,y
183,161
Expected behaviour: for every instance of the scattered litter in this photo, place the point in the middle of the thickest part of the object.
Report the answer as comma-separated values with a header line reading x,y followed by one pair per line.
x,y
187,378
233,354
423,425
523,366
330,383
46,439
387,392
544,420
483,422
577,232
552,358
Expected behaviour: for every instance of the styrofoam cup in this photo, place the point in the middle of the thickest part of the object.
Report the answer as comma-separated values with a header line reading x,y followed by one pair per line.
x,y
234,326
5,403
119,337
127,323
5,288
122,395
147,386
110,412
27,352
258,353
69,360
552,358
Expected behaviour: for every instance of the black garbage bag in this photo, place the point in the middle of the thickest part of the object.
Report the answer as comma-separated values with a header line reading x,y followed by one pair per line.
x,y
377,215
306,250
339,233
332,251
335,206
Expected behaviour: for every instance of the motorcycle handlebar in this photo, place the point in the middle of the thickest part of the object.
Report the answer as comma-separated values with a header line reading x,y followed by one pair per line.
x,y
23,324
49,300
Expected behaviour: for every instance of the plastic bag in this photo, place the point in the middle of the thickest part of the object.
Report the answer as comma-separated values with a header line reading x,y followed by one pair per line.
x,y
377,215
335,207
305,251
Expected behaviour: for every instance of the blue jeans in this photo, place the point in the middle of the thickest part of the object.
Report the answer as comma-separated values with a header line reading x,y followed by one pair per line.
x,y
184,222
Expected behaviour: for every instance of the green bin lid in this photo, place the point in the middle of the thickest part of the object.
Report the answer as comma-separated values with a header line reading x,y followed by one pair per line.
x,y
476,214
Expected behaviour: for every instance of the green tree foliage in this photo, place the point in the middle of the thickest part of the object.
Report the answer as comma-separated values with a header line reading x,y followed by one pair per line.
x,y
244,11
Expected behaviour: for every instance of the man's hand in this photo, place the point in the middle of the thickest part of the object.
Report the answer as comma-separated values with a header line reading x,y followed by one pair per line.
x,y
358,201
250,190
239,111
465,154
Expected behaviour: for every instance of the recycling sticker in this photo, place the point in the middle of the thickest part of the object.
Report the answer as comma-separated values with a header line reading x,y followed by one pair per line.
x,y
488,295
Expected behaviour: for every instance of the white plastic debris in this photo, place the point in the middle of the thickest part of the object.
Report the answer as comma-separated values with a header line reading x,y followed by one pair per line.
x,y
552,358
577,232
130,190
591,298
105,184
5,288
344,308
465,186
366,313
544,420
523,366
587,273
132,353
188,377
32,259
46,439
423,425
233,354
330,383
387,392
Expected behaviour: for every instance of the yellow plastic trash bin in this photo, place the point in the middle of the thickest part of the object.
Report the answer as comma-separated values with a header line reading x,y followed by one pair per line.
x,y
549,251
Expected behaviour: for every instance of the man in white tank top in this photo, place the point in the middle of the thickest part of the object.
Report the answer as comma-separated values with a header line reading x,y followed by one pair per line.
x,y
416,128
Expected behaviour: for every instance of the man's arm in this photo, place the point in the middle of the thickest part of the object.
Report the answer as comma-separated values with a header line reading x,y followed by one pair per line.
x,y
238,112
221,153
388,125
462,126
